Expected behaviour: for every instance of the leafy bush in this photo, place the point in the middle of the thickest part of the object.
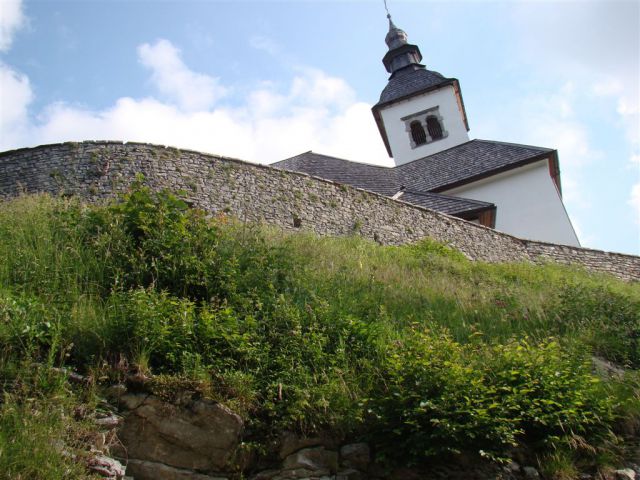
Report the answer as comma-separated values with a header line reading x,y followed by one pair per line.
x,y
29,328
442,397
153,239
415,347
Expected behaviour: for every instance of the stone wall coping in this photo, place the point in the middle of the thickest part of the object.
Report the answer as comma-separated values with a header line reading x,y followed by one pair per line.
x,y
576,249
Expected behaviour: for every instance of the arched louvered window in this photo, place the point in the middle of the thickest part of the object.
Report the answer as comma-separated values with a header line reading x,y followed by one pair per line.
x,y
417,133
434,128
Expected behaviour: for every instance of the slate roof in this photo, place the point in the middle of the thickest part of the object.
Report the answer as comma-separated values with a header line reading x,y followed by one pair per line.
x,y
382,180
422,179
467,162
410,80
444,203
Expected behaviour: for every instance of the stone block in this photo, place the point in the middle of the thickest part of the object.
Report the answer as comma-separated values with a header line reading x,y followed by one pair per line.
x,y
356,455
201,436
144,470
314,459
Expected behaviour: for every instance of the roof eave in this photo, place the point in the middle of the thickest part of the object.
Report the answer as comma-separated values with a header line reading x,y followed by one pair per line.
x,y
495,171
376,109
554,171
445,82
474,211
458,91
381,129
380,105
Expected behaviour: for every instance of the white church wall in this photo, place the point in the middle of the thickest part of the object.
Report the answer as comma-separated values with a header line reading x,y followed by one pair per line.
x,y
445,101
528,204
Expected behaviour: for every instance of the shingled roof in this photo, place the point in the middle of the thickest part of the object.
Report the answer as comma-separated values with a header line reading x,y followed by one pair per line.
x,y
382,180
421,180
445,203
466,163
411,80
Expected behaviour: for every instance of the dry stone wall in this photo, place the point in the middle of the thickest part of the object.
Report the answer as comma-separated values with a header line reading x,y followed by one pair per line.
x,y
97,171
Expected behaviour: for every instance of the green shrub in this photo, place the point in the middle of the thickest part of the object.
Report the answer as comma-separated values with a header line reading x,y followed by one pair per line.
x,y
415,347
550,390
153,239
29,328
441,397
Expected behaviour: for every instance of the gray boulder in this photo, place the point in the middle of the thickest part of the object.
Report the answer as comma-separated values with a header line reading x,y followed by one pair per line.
x,y
316,459
356,455
202,435
142,470
625,474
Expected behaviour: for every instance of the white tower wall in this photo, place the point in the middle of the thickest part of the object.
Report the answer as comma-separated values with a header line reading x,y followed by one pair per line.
x,y
398,116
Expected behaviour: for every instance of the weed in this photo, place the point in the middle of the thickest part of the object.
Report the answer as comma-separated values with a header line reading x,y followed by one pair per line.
x,y
411,346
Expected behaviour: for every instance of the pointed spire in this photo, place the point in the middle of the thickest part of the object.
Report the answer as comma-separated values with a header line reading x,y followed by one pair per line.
x,y
392,26
396,37
401,53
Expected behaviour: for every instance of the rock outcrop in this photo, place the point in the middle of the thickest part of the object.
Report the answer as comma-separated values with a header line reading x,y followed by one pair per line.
x,y
160,439
199,439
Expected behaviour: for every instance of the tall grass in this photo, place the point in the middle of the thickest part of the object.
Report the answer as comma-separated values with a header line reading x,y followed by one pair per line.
x,y
307,333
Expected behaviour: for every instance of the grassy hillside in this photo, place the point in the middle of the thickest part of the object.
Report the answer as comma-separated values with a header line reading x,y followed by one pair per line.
x,y
414,349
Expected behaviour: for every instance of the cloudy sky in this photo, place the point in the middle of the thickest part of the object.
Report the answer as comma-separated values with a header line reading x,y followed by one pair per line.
x,y
265,80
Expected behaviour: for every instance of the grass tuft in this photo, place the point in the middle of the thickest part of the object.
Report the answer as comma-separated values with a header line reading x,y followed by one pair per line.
x,y
412,345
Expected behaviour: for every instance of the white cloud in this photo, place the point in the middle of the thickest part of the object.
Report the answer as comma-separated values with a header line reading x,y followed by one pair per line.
x,y
15,97
314,87
11,19
594,43
316,111
232,132
607,86
595,46
628,107
634,201
190,90
634,196
265,44
548,119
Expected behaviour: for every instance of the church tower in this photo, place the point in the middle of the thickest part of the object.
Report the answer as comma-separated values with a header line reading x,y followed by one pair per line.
x,y
420,112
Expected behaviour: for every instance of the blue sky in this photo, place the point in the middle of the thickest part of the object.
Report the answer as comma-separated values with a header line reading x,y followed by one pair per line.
x,y
265,80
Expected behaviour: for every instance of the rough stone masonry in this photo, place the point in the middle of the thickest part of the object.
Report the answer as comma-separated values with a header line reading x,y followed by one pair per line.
x,y
96,171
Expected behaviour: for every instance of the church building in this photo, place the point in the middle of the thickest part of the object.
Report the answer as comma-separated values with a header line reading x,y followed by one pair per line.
x,y
423,123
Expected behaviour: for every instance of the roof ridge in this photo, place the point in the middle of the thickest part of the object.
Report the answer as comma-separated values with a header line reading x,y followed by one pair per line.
x,y
291,158
512,144
333,157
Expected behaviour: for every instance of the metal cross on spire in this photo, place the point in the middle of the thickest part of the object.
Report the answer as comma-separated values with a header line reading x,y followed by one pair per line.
x,y
387,9
391,24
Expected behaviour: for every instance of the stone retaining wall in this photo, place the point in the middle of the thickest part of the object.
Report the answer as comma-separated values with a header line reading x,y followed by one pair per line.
x,y
97,171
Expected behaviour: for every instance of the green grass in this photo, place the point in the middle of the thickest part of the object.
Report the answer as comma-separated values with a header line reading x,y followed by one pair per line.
x,y
39,437
411,345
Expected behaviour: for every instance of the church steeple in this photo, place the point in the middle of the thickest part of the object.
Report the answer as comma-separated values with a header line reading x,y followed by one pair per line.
x,y
396,37
420,111
401,54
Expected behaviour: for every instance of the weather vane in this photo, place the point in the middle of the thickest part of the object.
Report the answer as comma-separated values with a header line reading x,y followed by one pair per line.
x,y
387,9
